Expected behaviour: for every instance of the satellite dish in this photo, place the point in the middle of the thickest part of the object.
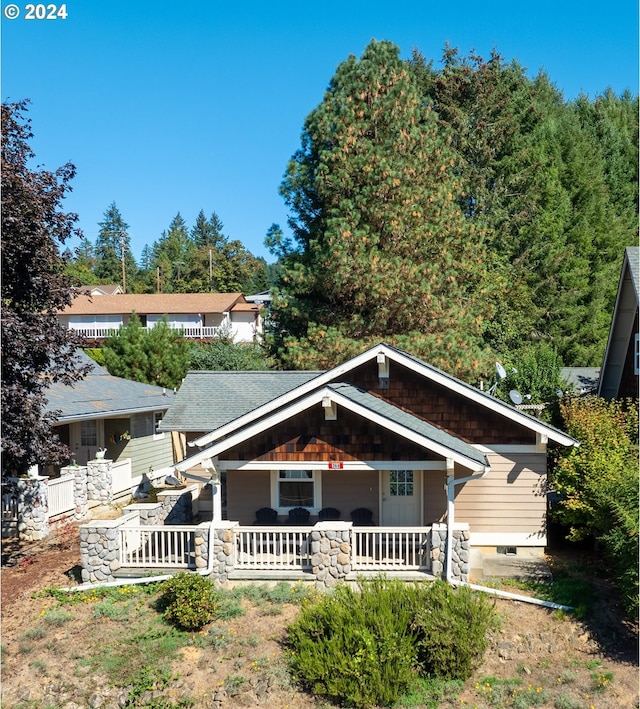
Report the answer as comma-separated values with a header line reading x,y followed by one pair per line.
x,y
500,371
515,396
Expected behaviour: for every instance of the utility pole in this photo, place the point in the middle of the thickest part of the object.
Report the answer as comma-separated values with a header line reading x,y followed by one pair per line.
x,y
124,277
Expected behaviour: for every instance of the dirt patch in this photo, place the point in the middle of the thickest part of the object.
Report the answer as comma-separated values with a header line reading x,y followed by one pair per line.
x,y
539,657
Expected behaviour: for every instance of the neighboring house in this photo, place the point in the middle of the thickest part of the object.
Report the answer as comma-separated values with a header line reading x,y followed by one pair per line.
x,y
198,315
103,411
581,380
383,431
100,290
621,364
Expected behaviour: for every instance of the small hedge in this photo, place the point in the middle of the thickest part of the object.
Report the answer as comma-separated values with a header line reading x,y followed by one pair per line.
x,y
188,601
368,646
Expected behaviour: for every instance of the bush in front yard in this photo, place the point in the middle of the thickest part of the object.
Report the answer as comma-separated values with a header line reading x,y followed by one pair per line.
x,y
356,646
452,626
188,601
370,646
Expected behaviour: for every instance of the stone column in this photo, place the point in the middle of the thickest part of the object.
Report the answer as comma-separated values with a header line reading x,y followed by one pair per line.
x,y
33,507
330,552
100,481
459,552
224,549
80,496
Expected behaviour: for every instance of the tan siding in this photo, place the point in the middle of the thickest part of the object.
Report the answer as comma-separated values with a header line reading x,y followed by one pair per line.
x,y
347,490
247,491
435,496
511,498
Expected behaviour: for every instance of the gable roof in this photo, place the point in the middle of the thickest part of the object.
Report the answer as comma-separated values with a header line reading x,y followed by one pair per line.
x,y
375,409
402,358
624,313
208,400
155,303
100,394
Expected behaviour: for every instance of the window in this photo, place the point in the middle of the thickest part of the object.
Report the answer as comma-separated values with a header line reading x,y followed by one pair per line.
x,y
157,420
296,488
401,483
636,354
88,433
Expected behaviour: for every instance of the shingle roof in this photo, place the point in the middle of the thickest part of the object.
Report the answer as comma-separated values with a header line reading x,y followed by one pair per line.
x,y
100,394
154,303
207,400
633,257
383,408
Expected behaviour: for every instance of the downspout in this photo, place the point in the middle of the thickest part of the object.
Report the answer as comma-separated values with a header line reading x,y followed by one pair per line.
x,y
451,483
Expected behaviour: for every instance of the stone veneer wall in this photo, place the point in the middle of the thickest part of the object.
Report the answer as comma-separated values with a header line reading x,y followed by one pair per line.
x,y
80,492
100,548
330,552
100,481
32,495
459,554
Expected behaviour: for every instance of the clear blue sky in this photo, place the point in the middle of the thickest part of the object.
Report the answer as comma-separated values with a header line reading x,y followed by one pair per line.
x,y
181,106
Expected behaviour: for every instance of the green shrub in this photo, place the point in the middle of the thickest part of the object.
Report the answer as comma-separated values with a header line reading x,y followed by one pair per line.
x,y
357,646
188,601
451,628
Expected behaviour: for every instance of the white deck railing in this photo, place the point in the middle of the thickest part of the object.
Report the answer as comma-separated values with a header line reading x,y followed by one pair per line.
x,y
61,497
169,546
390,548
273,548
192,331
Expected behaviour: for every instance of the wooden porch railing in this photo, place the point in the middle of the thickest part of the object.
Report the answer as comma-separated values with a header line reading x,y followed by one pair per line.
x,y
390,548
273,548
169,546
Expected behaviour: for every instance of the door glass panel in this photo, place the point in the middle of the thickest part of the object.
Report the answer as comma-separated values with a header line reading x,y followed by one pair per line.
x,y
401,483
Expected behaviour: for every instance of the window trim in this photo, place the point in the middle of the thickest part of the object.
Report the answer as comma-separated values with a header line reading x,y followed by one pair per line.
x,y
157,435
316,481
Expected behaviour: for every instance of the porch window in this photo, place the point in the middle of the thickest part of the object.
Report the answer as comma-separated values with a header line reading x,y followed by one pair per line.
x,y
296,488
88,433
401,483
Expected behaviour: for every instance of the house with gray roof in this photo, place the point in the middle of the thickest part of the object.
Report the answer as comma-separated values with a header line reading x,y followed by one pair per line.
x,y
384,432
621,365
103,411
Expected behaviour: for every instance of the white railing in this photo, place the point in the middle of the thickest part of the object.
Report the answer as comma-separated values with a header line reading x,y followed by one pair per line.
x,y
169,546
121,476
390,548
272,548
192,332
9,507
61,497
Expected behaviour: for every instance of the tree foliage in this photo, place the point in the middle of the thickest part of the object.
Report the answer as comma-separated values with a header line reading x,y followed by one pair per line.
x,y
113,246
598,483
36,350
383,250
158,356
222,354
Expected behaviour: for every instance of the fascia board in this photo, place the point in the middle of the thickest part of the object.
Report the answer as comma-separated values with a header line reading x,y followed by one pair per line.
x,y
110,414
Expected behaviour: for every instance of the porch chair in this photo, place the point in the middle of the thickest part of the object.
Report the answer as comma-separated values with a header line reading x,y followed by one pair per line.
x,y
266,515
328,513
362,517
298,515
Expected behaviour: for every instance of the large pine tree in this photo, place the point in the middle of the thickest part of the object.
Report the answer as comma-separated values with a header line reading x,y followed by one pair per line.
x,y
384,251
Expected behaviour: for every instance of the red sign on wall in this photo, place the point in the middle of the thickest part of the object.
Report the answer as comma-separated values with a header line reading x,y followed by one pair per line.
x,y
336,466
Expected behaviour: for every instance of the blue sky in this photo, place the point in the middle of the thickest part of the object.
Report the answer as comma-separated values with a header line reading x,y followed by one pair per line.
x,y
181,106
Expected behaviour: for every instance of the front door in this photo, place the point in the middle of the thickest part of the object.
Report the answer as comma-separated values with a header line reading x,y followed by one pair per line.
x,y
401,495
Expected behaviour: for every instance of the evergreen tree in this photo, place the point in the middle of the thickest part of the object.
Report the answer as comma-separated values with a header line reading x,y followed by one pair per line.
x,y
172,253
36,349
113,238
383,249
158,356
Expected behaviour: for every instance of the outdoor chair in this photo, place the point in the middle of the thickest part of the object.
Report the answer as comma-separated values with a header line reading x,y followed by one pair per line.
x,y
298,515
362,517
266,515
328,513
